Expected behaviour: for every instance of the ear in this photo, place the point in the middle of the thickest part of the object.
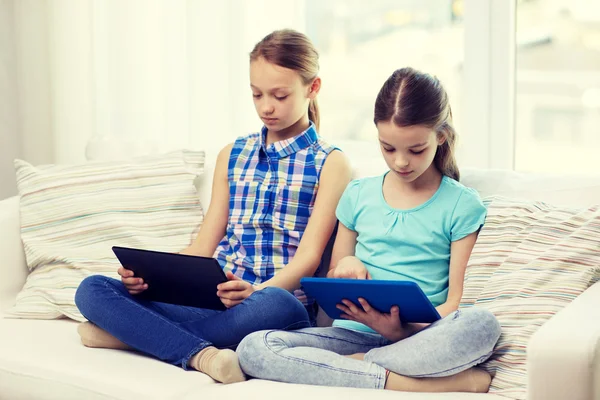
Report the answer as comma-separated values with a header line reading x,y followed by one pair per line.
x,y
441,138
314,88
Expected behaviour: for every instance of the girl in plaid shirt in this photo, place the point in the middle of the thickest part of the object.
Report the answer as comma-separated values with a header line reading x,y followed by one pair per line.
x,y
271,215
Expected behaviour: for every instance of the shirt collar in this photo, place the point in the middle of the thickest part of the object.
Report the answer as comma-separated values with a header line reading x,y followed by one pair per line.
x,y
287,147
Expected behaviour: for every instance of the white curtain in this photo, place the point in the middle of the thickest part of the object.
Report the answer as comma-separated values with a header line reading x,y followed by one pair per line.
x,y
127,77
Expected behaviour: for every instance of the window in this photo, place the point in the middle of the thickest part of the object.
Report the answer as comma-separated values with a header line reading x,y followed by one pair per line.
x,y
557,86
362,42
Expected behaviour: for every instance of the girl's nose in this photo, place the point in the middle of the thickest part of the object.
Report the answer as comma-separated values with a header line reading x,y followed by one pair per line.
x,y
401,162
267,108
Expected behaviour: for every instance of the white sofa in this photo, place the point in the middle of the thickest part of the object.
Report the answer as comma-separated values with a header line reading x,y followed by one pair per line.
x,y
41,359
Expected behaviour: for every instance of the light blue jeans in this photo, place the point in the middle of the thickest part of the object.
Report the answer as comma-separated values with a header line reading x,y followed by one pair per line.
x,y
315,356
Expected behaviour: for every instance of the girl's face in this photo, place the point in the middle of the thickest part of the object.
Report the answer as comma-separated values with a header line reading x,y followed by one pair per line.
x,y
280,97
408,151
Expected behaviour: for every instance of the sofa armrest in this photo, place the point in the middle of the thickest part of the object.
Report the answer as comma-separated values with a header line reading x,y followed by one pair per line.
x,y
13,269
563,356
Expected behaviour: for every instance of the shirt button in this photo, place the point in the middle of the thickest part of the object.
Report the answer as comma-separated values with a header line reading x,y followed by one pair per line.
x,y
263,258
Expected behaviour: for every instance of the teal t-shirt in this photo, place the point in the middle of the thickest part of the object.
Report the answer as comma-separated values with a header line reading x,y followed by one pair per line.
x,y
413,244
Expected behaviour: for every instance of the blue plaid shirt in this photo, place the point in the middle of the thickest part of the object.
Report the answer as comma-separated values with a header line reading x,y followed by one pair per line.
x,y
272,191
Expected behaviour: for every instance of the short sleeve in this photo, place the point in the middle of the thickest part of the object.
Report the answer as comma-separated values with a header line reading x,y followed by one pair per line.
x,y
468,216
345,211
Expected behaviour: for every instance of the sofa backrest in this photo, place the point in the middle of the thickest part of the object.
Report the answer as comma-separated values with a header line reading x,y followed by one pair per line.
x,y
565,190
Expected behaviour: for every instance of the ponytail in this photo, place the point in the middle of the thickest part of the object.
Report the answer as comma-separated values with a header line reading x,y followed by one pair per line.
x,y
313,113
444,159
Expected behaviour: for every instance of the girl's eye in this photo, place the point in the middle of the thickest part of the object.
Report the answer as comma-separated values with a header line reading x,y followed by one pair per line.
x,y
387,150
417,152
256,96
281,98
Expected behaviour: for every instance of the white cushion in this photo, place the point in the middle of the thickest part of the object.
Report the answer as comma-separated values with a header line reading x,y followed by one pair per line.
x,y
71,216
56,366
530,261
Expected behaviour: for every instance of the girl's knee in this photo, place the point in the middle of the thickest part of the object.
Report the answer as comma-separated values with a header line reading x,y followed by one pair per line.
x,y
89,291
275,293
254,350
261,343
293,313
87,286
483,323
482,318
250,345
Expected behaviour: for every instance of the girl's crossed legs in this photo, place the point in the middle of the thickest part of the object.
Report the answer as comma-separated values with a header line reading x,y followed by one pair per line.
x,y
179,334
438,358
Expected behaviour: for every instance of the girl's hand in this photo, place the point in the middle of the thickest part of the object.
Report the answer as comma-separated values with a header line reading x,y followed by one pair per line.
x,y
387,325
350,268
132,284
234,291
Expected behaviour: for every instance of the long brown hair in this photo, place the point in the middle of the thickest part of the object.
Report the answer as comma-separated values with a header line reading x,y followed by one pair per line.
x,y
293,50
409,98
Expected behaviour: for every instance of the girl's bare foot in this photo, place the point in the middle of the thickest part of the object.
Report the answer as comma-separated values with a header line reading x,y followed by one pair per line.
x,y
473,380
92,336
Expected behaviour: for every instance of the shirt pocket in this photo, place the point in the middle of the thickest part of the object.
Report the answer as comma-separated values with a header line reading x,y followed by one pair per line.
x,y
293,205
244,201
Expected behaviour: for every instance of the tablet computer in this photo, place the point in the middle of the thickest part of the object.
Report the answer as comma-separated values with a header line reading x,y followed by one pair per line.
x,y
381,295
175,278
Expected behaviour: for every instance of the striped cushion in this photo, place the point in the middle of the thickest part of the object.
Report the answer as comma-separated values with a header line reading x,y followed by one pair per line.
x,y
531,259
71,216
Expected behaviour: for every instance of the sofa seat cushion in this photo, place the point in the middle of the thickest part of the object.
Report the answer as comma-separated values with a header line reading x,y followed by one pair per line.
x,y
46,357
43,359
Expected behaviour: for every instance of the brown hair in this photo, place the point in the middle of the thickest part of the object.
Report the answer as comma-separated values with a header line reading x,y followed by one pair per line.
x,y
293,50
409,98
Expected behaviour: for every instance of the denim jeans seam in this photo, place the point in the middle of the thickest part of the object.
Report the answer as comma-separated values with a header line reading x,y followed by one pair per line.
x,y
342,340
381,377
299,360
206,343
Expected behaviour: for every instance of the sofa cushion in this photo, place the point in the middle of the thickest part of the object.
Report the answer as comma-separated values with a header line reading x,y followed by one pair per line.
x,y
72,215
44,360
531,259
559,189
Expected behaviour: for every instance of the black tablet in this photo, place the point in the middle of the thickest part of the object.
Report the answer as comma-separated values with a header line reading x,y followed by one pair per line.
x,y
175,278
381,295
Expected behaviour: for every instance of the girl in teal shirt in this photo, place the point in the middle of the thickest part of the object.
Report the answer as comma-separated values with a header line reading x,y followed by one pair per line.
x,y
416,222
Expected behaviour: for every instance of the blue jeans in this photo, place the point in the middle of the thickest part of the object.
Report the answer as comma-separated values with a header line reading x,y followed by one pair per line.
x,y
174,333
315,356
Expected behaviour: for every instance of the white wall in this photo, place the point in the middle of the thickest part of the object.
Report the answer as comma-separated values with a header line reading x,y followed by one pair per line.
x,y
25,106
10,146
69,61
33,80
